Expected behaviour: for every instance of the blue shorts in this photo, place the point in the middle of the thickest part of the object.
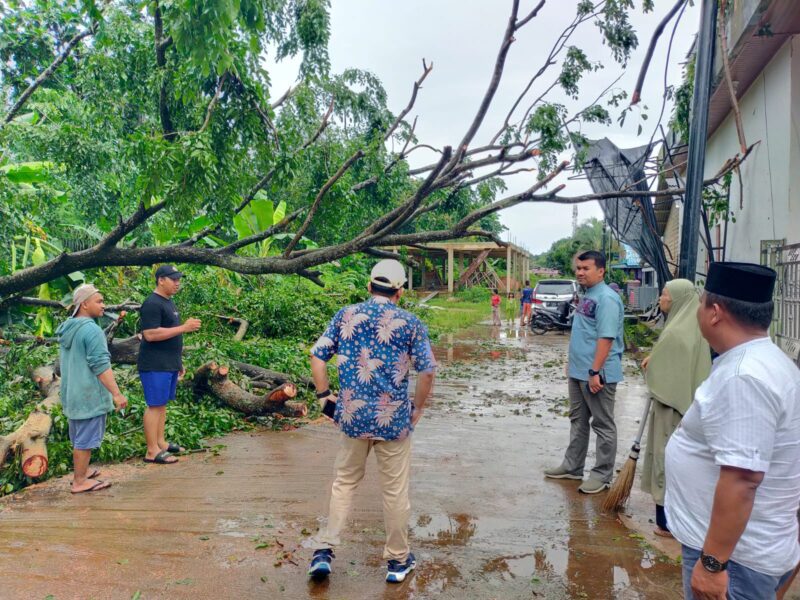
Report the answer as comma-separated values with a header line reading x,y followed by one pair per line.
x,y
159,386
87,434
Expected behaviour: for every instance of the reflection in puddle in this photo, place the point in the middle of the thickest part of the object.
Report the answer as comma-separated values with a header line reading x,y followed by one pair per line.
x,y
435,577
450,530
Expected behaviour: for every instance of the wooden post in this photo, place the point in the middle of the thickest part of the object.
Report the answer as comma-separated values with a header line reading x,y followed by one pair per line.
x,y
508,268
450,265
410,279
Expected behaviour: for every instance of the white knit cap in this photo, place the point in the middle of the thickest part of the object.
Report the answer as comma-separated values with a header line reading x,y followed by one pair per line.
x,y
389,273
80,295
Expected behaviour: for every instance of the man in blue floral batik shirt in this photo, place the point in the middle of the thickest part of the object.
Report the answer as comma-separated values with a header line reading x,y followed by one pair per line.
x,y
376,345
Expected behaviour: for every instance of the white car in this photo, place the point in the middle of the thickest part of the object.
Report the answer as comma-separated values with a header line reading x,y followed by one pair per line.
x,y
551,292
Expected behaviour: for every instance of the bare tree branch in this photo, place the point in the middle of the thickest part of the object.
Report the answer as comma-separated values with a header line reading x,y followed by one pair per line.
x,y
286,95
46,74
494,83
531,15
426,70
637,91
726,69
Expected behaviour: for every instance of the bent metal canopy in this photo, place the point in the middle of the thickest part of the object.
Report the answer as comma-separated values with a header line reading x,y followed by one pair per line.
x,y
633,220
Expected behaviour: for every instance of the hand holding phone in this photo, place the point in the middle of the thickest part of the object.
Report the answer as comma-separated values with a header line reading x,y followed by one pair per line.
x,y
329,408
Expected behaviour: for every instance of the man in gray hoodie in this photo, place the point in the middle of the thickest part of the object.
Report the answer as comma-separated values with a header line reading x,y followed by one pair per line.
x,y
88,389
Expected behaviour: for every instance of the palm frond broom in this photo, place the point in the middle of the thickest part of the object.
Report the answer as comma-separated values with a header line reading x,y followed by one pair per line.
x,y
620,491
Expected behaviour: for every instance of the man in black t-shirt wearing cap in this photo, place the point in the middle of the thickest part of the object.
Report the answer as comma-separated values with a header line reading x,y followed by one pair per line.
x,y
159,363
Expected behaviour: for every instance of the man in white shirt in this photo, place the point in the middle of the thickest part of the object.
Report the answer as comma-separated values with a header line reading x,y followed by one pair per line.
x,y
733,464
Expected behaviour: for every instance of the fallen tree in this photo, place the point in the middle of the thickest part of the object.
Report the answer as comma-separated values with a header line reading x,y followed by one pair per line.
x,y
31,437
215,378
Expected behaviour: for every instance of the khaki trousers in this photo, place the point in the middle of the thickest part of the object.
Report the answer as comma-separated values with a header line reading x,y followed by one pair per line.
x,y
394,462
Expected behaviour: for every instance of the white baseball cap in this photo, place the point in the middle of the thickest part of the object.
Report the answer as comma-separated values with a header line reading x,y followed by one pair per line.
x,y
388,273
80,295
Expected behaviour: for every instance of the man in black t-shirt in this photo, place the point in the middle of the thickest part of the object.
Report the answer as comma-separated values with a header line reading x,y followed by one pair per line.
x,y
159,362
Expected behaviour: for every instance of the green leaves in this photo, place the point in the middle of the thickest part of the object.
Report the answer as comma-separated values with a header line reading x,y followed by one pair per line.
x,y
259,215
27,172
547,121
575,65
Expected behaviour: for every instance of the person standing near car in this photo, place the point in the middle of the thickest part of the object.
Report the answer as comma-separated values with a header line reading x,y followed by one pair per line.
x,y
594,369
527,302
160,364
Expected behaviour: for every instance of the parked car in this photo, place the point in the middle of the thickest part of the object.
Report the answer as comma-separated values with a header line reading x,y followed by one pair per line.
x,y
550,292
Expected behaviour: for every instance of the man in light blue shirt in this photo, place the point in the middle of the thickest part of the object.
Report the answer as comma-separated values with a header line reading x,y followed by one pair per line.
x,y
595,368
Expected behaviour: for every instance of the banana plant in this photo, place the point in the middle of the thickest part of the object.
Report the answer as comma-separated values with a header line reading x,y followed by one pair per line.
x,y
257,216
44,320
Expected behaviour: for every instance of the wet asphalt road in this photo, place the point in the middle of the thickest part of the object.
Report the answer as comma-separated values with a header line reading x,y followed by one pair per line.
x,y
485,523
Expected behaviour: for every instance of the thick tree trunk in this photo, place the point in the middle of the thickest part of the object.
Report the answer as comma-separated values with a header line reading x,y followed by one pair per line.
x,y
214,378
261,374
31,437
125,351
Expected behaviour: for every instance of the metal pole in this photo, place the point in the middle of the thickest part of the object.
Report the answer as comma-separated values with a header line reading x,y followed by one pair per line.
x,y
698,129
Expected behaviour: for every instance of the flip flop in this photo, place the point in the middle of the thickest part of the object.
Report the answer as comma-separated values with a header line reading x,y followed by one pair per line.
x,y
93,475
174,448
662,532
161,459
100,485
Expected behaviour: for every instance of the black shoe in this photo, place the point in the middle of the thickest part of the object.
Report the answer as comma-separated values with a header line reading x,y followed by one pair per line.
x,y
320,566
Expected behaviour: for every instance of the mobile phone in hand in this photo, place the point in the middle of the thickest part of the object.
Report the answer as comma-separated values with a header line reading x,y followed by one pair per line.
x,y
329,409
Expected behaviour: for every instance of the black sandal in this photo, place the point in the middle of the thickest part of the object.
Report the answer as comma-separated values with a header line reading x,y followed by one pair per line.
x,y
174,448
161,459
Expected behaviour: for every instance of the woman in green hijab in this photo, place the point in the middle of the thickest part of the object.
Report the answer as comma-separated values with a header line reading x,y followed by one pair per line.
x,y
679,363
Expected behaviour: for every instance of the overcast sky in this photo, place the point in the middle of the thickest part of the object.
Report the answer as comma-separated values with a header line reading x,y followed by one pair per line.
x,y
461,38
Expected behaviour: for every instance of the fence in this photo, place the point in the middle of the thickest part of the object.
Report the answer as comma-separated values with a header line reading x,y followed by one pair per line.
x,y
785,259
642,298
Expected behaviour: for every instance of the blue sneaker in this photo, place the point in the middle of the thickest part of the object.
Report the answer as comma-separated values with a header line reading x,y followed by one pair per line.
x,y
321,564
396,571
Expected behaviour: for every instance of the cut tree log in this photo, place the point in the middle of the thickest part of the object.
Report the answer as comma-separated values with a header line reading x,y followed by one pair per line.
x,y
214,378
31,437
277,378
125,351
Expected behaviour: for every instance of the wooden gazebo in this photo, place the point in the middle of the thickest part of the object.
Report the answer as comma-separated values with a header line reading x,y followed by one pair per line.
x,y
470,261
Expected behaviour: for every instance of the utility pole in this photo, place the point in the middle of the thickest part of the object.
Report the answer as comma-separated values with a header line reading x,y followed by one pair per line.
x,y
574,219
698,129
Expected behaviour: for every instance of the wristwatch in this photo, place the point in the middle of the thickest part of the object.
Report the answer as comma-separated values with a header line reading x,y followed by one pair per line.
x,y
711,564
592,372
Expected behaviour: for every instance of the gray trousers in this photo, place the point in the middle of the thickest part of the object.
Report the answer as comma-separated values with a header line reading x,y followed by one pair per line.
x,y
597,410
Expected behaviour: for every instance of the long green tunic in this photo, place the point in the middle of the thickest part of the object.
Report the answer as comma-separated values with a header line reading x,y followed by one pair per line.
x,y
679,363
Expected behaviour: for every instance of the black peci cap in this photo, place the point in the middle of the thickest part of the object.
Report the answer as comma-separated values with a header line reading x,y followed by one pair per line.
x,y
168,271
741,281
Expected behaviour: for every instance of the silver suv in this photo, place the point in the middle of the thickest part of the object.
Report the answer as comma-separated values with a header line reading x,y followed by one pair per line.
x,y
550,292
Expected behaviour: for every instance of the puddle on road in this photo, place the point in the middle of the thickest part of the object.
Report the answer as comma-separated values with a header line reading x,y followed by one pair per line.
x,y
485,523
513,383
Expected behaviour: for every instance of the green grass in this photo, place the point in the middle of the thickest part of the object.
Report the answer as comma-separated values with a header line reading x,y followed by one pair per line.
x,y
456,314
